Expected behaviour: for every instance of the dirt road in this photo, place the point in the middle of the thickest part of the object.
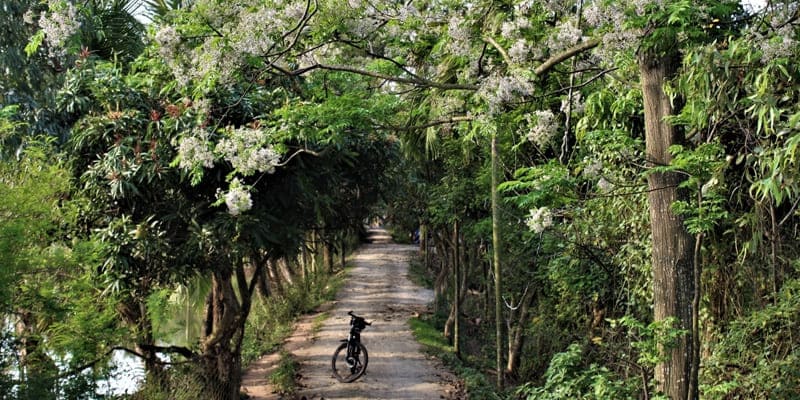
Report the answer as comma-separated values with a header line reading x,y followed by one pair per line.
x,y
379,290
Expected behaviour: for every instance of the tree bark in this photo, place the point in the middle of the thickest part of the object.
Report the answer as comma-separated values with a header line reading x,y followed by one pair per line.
x,y
221,345
456,288
498,302
673,283
517,335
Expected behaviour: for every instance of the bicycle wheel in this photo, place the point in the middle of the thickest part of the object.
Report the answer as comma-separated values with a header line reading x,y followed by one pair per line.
x,y
349,370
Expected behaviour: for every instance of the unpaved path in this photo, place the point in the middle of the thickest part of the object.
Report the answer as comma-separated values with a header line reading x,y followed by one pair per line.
x,y
379,290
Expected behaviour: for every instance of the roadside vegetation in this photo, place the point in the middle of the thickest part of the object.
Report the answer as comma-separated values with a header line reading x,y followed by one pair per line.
x,y
606,192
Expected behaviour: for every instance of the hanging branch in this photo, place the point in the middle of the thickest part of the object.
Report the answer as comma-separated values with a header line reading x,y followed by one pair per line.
x,y
410,81
451,120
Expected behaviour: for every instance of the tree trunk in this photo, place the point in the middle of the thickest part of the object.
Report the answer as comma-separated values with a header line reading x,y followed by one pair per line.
x,y
343,242
516,335
424,245
456,288
498,302
274,276
260,275
221,343
673,283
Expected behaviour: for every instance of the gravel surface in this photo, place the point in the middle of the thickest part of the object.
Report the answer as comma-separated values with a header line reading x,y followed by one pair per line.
x,y
379,290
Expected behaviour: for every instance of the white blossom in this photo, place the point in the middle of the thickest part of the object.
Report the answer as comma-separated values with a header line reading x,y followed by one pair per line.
x,y
247,151
238,198
252,34
781,45
539,219
168,40
58,25
519,51
542,128
499,90
194,151
28,17
458,31
524,7
565,35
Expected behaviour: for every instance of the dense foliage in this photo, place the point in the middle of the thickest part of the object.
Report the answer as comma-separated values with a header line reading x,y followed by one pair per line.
x,y
213,161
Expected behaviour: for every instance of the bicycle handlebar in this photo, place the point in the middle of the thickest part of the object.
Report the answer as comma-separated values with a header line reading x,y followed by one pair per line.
x,y
350,313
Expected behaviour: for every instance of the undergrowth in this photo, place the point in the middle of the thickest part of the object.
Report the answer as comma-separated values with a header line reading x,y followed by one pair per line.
x,y
271,319
428,335
283,376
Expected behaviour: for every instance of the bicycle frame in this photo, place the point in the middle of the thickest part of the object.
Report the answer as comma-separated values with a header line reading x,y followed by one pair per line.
x,y
356,358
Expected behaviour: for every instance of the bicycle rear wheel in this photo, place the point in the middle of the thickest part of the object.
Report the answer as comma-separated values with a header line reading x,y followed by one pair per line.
x,y
349,370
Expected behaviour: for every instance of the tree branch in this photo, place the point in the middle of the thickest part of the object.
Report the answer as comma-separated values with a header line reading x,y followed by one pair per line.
x,y
500,49
159,349
451,120
554,60
409,81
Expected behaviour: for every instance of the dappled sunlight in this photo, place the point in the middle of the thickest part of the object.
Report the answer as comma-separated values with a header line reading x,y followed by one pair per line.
x,y
378,290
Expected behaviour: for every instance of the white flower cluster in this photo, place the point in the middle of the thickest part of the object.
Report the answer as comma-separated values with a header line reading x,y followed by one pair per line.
x,y
511,28
168,40
519,51
28,17
238,198
542,128
458,31
616,39
195,151
212,60
559,7
253,33
58,25
564,35
539,219
781,44
641,6
524,7
499,90
247,151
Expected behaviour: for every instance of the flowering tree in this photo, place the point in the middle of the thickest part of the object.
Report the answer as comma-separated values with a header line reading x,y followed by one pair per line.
x,y
228,125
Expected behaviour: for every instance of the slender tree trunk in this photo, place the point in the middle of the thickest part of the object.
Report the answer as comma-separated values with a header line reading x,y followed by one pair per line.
x,y
344,250
285,270
456,288
517,335
673,277
274,276
423,243
498,302
261,277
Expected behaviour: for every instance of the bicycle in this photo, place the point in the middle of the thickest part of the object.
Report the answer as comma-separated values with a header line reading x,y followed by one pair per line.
x,y
349,365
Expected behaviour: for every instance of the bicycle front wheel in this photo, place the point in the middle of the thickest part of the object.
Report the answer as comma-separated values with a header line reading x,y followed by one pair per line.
x,y
347,368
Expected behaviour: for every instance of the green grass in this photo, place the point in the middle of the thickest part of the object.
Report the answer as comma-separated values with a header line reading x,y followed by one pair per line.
x,y
420,275
316,324
272,319
478,386
283,376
